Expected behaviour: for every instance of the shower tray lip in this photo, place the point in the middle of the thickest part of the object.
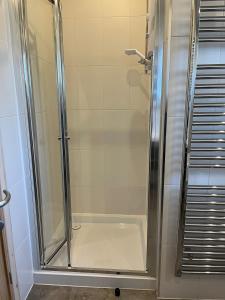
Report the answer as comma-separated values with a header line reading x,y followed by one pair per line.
x,y
100,280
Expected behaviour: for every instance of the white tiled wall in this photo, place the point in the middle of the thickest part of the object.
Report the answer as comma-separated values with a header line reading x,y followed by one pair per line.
x,y
108,105
186,286
12,149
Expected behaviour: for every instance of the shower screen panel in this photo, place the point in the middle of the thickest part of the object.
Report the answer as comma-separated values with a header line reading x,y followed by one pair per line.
x,y
108,109
47,124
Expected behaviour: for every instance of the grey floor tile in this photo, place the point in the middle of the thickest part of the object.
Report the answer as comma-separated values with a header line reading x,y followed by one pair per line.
x,y
41,292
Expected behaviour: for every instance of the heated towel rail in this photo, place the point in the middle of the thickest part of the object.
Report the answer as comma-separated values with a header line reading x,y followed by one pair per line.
x,y
201,241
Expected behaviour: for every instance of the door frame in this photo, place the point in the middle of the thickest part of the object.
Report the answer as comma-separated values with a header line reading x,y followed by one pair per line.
x,y
5,269
7,238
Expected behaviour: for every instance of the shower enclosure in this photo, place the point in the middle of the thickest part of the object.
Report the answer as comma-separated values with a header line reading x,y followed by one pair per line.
x,y
94,112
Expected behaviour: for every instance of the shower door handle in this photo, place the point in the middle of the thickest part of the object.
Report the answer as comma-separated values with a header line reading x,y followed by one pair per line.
x,y
66,138
6,200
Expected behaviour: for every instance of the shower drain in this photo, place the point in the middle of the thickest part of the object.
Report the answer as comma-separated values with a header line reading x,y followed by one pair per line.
x,y
77,227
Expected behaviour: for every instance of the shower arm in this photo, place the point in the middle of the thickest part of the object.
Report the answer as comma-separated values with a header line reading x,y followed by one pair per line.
x,y
146,61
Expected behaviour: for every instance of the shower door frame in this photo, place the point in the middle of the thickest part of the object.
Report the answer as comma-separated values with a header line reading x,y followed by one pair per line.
x,y
157,120
32,128
157,131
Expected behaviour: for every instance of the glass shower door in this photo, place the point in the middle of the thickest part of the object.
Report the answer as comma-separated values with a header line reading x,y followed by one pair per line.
x,y
108,118
46,106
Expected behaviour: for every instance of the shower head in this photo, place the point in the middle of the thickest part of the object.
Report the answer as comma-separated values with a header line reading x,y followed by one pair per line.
x,y
134,52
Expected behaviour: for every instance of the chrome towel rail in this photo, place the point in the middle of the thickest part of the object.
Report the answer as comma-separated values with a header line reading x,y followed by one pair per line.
x,y
209,31
213,95
208,132
205,105
211,67
215,8
209,123
206,187
216,149
201,242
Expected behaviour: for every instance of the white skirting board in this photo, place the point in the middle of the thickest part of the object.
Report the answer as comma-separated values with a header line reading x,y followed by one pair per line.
x,y
94,280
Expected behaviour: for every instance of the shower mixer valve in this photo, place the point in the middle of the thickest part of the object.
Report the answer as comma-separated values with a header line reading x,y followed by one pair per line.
x,y
146,61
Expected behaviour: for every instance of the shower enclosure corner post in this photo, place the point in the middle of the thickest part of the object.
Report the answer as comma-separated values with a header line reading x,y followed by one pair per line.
x,y
157,139
63,122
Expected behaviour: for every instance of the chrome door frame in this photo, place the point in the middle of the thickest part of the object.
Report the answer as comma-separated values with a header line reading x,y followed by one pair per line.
x,y
156,147
32,128
157,140
157,131
63,120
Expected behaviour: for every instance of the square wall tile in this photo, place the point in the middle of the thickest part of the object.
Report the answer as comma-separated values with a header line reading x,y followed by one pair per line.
x,y
198,176
209,54
84,87
138,34
88,200
125,128
174,150
116,8
19,214
127,201
171,214
7,86
216,177
87,167
81,8
138,7
116,91
140,89
125,167
43,29
116,40
88,47
24,268
181,17
85,128
3,33
178,76
10,143
173,287
69,42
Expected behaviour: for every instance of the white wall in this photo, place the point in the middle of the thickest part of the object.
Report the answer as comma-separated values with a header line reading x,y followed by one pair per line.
x,y
11,144
186,286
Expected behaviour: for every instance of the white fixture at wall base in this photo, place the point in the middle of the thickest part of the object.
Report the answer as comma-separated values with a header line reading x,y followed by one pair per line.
x,y
94,280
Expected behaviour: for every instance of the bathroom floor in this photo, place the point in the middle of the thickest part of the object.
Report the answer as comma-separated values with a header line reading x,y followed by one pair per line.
x,y
106,245
40,292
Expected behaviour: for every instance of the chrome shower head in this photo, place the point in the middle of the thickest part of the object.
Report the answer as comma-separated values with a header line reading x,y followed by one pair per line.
x,y
134,52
